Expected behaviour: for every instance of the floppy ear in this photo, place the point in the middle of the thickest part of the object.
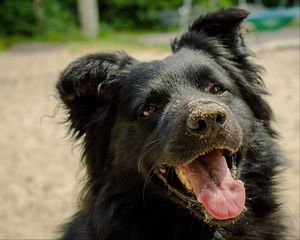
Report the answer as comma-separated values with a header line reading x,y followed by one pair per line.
x,y
87,87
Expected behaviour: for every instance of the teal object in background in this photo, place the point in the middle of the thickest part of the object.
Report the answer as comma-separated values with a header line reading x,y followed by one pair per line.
x,y
273,18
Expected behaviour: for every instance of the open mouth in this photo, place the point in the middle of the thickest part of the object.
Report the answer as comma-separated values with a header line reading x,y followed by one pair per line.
x,y
208,181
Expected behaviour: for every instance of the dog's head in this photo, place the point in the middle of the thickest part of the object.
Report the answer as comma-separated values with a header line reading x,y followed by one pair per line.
x,y
182,121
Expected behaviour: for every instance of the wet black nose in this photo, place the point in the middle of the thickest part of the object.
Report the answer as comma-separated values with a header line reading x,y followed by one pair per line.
x,y
206,119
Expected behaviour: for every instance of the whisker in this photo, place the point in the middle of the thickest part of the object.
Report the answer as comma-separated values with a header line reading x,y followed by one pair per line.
x,y
147,180
150,174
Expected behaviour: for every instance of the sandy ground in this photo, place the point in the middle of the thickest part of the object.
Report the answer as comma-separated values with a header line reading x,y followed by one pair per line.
x,y
39,173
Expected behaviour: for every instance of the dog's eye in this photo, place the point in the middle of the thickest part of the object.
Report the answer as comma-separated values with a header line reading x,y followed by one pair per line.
x,y
148,110
217,89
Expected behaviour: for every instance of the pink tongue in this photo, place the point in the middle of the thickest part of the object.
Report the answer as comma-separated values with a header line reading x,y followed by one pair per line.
x,y
221,195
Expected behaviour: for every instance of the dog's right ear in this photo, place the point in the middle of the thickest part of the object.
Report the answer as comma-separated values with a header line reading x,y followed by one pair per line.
x,y
88,85
90,75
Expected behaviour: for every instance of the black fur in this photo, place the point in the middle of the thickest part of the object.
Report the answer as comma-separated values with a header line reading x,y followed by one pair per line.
x,y
105,95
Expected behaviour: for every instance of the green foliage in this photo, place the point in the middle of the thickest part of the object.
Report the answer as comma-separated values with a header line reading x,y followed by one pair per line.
x,y
29,17
145,14
132,14
17,17
57,17
227,3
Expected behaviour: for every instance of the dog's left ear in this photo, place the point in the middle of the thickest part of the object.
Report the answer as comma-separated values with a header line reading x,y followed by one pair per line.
x,y
222,25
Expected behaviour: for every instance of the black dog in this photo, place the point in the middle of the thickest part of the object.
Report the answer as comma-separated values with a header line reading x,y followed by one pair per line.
x,y
179,148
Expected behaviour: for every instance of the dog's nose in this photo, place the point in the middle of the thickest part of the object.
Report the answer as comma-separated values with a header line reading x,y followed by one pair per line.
x,y
206,118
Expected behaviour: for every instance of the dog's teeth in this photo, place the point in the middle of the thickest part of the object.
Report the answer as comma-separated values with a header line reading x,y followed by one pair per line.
x,y
188,185
162,170
181,176
234,170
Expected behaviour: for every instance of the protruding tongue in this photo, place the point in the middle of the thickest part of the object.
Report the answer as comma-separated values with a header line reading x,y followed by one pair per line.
x,y
221,195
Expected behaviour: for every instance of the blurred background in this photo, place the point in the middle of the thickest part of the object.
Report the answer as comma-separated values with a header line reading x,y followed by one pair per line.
x,y
40,173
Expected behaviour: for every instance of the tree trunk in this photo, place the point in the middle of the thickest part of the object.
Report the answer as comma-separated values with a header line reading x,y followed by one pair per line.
x,y
89,17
